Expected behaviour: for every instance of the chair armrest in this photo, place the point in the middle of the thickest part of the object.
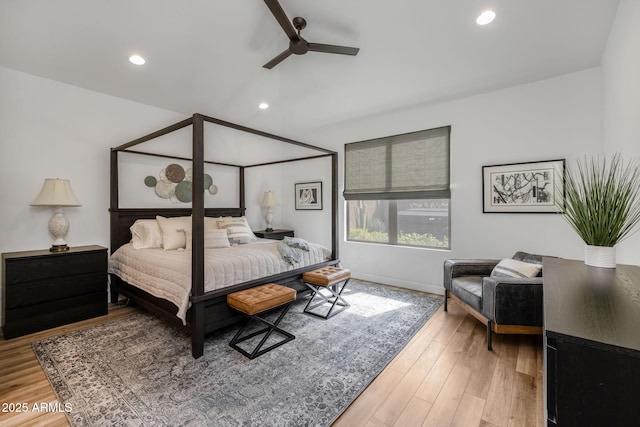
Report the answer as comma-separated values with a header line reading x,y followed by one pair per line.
x,y
512,301
467,267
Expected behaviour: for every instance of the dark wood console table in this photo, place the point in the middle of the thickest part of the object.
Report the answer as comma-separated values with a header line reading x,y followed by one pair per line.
x,y
592,344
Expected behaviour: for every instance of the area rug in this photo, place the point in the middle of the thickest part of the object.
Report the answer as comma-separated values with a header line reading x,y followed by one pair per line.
x,y
138,370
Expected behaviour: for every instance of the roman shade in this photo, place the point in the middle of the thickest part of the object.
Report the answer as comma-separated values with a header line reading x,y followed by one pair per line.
x,y
409,166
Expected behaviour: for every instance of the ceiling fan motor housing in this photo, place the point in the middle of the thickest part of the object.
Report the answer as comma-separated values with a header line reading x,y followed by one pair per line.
x,y
299,47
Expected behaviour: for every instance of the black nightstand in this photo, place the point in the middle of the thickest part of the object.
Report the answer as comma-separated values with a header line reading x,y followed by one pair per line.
x,y
43,289
276,234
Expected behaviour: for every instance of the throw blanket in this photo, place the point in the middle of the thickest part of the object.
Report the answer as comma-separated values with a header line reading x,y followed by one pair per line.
x,y
291,249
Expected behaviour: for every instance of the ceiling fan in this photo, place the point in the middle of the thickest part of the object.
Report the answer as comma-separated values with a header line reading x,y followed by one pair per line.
x,y
298,45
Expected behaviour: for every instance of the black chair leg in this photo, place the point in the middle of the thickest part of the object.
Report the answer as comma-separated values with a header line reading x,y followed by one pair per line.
x,y
446,295
489,323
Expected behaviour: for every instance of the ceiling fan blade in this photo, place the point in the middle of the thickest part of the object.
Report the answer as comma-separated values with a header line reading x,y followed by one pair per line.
x,y
282,19
331,48
278,59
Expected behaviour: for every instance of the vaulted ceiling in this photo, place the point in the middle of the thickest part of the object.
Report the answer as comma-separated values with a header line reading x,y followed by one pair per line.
x,y
206,55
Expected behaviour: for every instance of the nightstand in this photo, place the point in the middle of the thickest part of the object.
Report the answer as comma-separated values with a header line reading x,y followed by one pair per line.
x,y
276,234
42,289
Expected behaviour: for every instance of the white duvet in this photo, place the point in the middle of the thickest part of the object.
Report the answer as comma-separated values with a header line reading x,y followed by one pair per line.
x,y
167,274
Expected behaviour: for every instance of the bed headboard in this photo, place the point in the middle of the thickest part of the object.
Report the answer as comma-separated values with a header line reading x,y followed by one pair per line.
x,y
122,219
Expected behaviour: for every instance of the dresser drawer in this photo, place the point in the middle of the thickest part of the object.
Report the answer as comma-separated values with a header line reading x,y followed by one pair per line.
x,y
29,293
29,269
46,315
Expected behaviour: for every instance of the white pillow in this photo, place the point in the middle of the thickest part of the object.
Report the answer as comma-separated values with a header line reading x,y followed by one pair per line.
x,y
237,223
173,231
213,238
509,267
146,233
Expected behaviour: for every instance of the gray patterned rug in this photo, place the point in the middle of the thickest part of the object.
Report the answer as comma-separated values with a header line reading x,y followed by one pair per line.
x,y
138,370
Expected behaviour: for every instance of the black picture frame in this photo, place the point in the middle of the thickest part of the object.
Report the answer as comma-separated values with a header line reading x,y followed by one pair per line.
x,y
308,195
530,187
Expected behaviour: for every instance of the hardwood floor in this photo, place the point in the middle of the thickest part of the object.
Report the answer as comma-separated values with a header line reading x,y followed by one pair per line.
x,y
23,384
444,377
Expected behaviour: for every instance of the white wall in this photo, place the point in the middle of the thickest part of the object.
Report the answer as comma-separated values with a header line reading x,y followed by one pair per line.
x,y
50,129
551,119
621,86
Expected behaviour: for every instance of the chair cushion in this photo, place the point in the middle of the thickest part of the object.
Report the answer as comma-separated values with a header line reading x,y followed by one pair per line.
x,y
513,268
469,290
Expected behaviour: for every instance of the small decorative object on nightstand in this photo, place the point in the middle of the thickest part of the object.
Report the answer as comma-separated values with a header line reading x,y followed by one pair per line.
x,y
57,193
277,234
269,201
44,289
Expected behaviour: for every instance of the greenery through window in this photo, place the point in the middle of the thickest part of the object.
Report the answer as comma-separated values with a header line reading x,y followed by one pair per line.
x,y
422,223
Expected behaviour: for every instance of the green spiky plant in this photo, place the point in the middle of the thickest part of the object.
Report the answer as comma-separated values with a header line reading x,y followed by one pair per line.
x,y
602,200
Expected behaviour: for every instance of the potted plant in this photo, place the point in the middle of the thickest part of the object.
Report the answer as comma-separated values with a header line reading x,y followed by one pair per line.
x,y
602,203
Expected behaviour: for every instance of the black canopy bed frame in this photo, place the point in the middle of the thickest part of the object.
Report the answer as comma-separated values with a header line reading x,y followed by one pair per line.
x,y
208,311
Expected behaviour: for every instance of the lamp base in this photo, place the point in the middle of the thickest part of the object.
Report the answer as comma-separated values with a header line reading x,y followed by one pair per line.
x,y
269,217
58,248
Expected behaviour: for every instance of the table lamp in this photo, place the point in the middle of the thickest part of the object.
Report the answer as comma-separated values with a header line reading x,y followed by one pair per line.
x,y
269,201
58,193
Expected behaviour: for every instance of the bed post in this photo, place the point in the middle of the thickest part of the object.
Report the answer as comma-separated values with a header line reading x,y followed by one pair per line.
x,y
197,245
242,201
334,205
113,214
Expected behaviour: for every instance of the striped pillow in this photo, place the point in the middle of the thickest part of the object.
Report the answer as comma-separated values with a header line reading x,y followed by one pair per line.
x,y
238,235
513,268
213,238
238,229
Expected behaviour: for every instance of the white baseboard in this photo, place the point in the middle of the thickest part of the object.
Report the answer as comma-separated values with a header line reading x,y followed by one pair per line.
x,y
416,286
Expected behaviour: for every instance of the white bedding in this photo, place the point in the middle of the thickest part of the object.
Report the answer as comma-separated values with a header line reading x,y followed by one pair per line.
x,y
167,274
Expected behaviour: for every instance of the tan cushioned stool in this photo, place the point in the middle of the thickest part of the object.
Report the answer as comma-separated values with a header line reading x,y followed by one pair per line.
x,y
329,278
326,276
257,300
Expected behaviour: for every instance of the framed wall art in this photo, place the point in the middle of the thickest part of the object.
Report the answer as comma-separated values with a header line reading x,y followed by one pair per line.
x,y
309,196
523,187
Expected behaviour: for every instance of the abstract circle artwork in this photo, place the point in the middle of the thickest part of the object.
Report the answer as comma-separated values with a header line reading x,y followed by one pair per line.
x,y
176,184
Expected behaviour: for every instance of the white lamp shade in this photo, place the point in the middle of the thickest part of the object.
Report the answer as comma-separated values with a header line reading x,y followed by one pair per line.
x,y
56,192
270,199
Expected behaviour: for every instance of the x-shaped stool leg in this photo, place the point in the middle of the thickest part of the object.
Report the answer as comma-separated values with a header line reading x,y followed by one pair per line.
x,y
335,298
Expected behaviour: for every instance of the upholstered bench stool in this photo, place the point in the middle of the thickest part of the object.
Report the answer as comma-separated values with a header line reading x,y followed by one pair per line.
x,y
259,300
333,279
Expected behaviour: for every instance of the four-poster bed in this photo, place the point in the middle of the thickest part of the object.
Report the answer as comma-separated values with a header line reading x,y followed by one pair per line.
x,y
208,309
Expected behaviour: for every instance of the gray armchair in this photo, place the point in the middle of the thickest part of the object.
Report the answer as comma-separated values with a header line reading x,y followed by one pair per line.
x,y
506,305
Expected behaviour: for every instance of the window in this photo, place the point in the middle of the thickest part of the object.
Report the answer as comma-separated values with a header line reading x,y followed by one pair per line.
x,y
397,189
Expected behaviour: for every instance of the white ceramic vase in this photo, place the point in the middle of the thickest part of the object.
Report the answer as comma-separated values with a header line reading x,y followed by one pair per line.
x,y
600,256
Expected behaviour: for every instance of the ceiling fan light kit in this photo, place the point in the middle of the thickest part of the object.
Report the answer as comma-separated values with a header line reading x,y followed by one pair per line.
x,y
297,44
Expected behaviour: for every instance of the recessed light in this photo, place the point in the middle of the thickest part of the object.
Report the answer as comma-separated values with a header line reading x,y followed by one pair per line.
x,y
137,59
486,17
263,106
